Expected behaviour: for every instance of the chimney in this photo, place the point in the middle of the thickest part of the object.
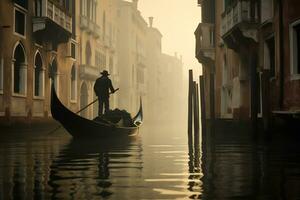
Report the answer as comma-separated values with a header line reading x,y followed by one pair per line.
x,y
151,21
135,3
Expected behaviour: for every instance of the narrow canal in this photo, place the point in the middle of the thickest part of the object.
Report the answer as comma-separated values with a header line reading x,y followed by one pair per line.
x,y
154,165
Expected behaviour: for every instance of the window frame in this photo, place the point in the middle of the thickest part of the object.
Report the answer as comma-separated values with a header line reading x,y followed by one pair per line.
x,y
75,44
14,94
76,80
42,96
294,51
267,63
23,11
1,75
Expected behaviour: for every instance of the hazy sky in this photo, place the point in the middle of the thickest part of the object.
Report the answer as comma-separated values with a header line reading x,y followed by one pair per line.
x,y
177,21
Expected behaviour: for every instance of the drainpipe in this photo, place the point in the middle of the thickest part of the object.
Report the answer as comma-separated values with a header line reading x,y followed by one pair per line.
x,y
281,49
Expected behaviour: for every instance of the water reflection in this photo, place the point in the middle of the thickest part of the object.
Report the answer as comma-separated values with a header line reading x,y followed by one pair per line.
x,y
25,158
235,167
87,169
83,168
158,164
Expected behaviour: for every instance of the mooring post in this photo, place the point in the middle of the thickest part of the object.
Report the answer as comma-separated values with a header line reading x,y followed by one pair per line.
x,y
266,99
202,100
190,112
197,126
195,107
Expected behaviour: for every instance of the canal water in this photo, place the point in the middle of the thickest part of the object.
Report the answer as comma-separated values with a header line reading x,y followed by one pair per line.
x,y
157,164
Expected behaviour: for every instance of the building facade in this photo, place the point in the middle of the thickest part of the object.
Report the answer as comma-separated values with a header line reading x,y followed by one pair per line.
x,y
36,50
256,57
69,43
97,28
132,60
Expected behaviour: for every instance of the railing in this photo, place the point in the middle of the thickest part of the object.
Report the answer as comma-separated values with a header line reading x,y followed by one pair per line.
x,y
205,41
267,10
205,36
58,15
97,31
107,41
89,71
83,22
238,13
141,59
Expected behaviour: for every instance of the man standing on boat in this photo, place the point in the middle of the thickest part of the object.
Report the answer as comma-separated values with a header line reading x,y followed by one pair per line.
x,y
102,86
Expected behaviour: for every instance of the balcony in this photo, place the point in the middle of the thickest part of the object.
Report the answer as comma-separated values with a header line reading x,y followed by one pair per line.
x,y
266,12
54,23
96,30
239,23
141,60
205,43
107,41
89,72
84,23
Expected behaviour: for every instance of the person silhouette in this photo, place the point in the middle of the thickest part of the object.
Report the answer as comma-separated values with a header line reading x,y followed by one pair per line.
x,y
102,86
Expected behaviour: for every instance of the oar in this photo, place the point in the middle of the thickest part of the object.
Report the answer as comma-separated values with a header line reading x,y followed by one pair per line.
x,y
58,127
92,103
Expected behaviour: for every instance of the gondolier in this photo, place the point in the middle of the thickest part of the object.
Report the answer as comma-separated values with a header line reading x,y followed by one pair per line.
x,y
102,86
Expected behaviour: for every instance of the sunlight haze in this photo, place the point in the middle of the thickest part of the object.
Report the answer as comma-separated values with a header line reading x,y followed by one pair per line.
x,y
177,21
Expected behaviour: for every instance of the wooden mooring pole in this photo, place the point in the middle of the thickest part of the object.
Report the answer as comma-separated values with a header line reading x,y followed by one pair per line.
x,y
202,100
190,112
196,126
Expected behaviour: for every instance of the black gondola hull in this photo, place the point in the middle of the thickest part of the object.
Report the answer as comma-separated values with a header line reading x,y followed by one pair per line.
x,y
80,127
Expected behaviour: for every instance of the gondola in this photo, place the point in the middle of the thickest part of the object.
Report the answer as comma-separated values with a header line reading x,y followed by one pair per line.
x,y
80,127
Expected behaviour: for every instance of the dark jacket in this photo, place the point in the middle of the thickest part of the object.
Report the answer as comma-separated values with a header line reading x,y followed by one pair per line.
x,y
102,87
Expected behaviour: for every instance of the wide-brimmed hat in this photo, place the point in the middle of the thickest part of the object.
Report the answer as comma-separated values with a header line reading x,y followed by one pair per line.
x,y
105,73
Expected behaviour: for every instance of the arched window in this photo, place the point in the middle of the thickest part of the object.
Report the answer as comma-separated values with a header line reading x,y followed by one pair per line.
x,y
54,75
73,83
19,70
104,25
83,98
38,76
1,74
88,53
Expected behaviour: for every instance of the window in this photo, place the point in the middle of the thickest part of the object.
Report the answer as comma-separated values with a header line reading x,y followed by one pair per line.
x,y
38,8
1,74
98,59
73,83
89,7
104,25
38,76
20,22
111,64
226,4
84,99
88,53
295,49
140,76
19,70
54,75
103,61
73,50
270,55
84,7
266,10
23,3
